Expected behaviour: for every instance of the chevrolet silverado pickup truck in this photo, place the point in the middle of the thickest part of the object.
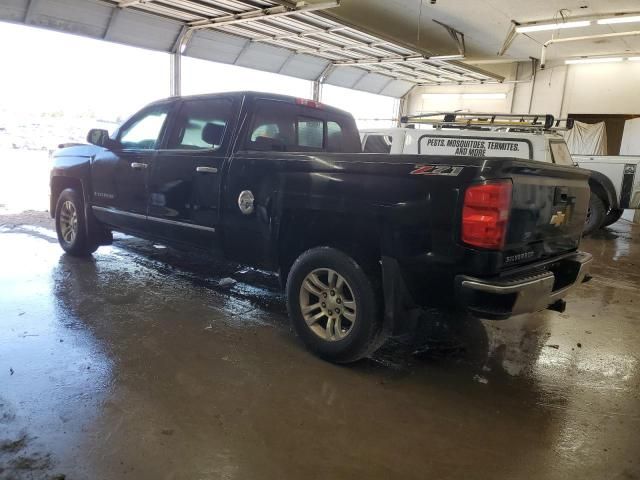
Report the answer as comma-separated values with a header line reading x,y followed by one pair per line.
x,y
361,241
532,137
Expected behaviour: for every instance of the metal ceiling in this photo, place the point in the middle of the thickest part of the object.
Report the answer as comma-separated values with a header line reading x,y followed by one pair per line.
x,y
288,37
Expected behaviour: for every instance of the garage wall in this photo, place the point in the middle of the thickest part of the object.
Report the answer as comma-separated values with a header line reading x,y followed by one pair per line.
x,y
580,89
462,97
559,90
606,88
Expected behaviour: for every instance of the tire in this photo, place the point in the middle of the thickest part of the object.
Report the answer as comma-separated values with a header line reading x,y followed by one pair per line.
x,y
596,214
612,217
71,225
343,337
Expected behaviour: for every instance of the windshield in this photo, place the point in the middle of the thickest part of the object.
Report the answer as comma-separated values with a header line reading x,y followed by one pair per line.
x,y
560,153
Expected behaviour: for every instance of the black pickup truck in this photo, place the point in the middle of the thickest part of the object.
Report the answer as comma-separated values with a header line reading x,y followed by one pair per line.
x,y
361,241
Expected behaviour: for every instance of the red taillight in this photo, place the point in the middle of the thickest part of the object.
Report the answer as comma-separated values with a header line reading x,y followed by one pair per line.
x,y
485,214
309,103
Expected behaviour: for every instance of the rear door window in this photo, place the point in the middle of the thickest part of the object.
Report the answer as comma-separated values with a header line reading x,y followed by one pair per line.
x,y
201,124
378,144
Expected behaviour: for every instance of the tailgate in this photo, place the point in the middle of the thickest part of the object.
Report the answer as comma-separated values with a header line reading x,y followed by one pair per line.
x,y
548,210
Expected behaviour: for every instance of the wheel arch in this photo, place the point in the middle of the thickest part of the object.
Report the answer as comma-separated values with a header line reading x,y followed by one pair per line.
x,y
602,186
60,183
301,230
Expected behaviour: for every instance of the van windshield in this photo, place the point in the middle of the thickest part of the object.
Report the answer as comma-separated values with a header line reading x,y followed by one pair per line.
x,y
561,154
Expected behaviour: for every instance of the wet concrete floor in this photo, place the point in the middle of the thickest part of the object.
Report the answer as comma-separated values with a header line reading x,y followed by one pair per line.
x,y
146,363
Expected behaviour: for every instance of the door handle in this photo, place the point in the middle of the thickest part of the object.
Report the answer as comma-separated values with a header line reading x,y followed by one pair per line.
x,y
138,166
206,170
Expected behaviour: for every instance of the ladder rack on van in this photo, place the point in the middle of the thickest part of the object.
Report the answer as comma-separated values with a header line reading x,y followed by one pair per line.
x,y
492,121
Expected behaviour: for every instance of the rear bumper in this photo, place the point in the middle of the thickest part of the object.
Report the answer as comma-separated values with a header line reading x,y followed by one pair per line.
x,y
526,292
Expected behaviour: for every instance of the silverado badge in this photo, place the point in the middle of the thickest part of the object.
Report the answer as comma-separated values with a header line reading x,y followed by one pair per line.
x,y
558,219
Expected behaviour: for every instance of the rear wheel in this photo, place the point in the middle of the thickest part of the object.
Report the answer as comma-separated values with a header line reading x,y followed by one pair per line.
x,y
595,215
71,225
333,305
612,217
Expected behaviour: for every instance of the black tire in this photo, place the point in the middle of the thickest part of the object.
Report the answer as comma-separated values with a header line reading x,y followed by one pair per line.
x,y
596,214
81,244
362,337
612,217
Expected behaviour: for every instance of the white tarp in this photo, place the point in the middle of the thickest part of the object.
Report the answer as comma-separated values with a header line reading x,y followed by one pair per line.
x,y
587,139
631,138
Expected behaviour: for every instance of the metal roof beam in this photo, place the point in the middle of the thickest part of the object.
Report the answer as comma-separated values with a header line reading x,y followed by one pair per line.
x,y
293,36
31,7
456,35
261,14
131,3
380,61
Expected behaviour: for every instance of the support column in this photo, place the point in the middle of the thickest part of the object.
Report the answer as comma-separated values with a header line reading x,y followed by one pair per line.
x,y
403,105
176,61
317,90
176,74
534,73
318,82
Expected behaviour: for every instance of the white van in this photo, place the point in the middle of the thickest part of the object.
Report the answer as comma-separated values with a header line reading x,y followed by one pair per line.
x,y
530,137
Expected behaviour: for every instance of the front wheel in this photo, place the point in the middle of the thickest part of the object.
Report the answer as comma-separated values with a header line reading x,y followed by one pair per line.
x,y
333,305
71,225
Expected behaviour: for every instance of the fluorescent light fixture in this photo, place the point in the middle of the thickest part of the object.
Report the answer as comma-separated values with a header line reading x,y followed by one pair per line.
x,y
485,96
634,59
470,96
447,57
539,27
619,19
576,61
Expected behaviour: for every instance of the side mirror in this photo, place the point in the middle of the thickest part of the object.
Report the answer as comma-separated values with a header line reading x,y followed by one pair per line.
x,y
99,137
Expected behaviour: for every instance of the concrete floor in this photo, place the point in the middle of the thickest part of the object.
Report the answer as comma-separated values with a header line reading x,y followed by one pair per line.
x,y
143,364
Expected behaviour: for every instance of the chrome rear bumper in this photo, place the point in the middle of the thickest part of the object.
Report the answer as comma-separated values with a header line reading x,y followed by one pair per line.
x,y
532,291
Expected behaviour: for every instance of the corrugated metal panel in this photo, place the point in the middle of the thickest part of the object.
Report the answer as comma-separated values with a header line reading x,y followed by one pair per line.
x,y
263,57
373,83
144,30
346,77
304,66
13,10
397,88
216,46
293,42
84,18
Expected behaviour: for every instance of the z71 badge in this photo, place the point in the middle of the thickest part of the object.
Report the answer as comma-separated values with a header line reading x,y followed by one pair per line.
x,y
450,171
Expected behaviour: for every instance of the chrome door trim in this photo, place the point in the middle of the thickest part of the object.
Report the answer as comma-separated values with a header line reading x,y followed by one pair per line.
x,y
153,219
181,224
119,212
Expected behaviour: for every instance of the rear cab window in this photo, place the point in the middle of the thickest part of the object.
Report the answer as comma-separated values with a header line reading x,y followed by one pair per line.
x,y
378,143
282,126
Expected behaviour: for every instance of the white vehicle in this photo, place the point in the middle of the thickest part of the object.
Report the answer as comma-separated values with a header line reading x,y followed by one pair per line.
x,y
530,137
622,171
